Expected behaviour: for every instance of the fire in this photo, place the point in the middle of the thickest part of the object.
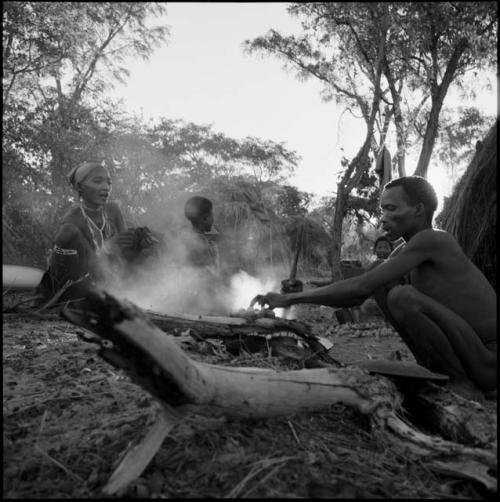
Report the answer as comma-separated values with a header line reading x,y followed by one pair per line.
x,y
245,287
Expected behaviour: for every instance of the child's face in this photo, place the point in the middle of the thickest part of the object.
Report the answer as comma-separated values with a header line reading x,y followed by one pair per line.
x,y
383,250
207,222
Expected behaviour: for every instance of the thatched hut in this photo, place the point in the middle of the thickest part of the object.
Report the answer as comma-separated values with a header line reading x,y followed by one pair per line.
x,y
470,213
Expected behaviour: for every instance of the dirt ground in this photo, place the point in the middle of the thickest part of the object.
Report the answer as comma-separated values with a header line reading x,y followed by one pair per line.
x,y
68,416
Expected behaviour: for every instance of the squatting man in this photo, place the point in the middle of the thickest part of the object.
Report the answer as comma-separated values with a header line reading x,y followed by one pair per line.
x,y
438,301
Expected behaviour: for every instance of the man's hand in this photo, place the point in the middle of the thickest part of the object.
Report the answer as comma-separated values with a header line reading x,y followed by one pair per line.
x,y
273,300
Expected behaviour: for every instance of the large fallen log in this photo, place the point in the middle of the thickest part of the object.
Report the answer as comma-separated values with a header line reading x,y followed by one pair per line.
x,y
152,358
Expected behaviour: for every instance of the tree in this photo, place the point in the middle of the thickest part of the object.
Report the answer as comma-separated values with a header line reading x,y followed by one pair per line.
x,y
59,57
340,46
461,131
200,153
437,44
429,47
311,62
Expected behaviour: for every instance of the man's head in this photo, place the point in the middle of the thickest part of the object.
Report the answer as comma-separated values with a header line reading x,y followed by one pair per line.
x,y
92,182
408,204
198,211
382,247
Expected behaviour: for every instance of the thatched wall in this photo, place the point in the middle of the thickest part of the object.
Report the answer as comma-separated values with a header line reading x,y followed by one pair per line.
x,y
470,213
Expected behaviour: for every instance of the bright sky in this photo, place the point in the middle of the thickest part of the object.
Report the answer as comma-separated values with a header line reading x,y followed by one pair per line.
x,y
202,75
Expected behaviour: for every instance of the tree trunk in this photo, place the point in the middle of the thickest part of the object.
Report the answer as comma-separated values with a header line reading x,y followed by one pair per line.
x,y
438,93
338,218
398,119
429,140
360,162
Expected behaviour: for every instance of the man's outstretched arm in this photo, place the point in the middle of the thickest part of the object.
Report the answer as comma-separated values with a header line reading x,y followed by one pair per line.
x,y
353,291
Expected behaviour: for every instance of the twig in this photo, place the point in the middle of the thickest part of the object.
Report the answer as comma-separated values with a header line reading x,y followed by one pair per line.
x,y
21,302
44,417
53,460
293,432
263,480
58,295
253,472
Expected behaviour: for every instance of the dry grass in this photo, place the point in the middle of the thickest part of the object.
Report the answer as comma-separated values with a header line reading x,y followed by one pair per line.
x,y
68,416
470,212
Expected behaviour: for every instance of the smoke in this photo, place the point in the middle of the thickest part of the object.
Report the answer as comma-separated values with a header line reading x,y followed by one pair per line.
x,y
168,283
171,286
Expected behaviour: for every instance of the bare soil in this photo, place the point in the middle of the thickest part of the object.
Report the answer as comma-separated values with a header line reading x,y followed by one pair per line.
x,y
68,416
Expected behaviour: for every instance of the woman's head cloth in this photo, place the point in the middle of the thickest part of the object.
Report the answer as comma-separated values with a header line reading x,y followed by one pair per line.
x,y
79,173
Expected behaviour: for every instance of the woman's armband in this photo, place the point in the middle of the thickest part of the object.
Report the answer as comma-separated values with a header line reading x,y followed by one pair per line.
x,y
64,252
65,264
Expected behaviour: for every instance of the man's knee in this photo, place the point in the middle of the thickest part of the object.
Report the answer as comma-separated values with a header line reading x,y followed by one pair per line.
x,y
402,300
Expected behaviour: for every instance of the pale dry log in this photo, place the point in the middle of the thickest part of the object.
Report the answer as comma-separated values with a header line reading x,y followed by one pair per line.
x,y
153,359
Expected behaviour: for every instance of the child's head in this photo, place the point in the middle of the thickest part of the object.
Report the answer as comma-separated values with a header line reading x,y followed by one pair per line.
x,y
382,247
198,211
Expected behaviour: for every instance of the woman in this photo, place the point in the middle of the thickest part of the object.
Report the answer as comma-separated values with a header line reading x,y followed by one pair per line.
x,y
83,244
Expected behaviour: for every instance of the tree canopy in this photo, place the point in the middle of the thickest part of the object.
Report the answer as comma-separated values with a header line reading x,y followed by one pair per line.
x,y
429,46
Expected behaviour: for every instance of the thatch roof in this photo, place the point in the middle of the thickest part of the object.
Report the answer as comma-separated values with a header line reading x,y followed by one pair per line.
x,y
470,213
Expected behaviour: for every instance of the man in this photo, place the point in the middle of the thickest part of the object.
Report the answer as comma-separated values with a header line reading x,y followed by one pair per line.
x,y
446,310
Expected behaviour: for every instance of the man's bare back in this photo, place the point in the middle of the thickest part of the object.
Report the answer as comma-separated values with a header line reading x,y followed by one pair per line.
x,y
449,277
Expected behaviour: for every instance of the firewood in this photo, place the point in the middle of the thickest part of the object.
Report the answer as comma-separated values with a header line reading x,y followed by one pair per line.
x,y
250,324
154,360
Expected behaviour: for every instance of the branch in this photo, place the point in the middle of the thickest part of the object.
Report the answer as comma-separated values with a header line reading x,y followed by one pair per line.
x,y
98,55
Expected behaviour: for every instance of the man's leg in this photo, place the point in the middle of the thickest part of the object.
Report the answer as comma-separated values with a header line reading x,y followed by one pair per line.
x,y
439,339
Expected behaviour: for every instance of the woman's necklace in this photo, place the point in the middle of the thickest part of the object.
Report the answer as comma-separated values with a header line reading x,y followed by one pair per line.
x,y
91,224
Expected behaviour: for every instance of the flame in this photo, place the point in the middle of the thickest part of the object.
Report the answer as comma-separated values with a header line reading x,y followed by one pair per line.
x,y
244,288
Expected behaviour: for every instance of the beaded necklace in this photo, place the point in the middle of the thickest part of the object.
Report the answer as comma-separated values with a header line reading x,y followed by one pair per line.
x,y
92,225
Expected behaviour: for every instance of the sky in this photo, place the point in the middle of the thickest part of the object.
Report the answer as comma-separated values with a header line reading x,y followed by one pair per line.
x,y
202,75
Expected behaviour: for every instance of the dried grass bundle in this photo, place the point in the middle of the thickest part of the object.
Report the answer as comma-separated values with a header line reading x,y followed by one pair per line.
x,y
470,212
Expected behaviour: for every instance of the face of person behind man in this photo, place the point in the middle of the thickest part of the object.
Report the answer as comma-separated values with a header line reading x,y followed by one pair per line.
x,y
383,250
399,219
96,188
